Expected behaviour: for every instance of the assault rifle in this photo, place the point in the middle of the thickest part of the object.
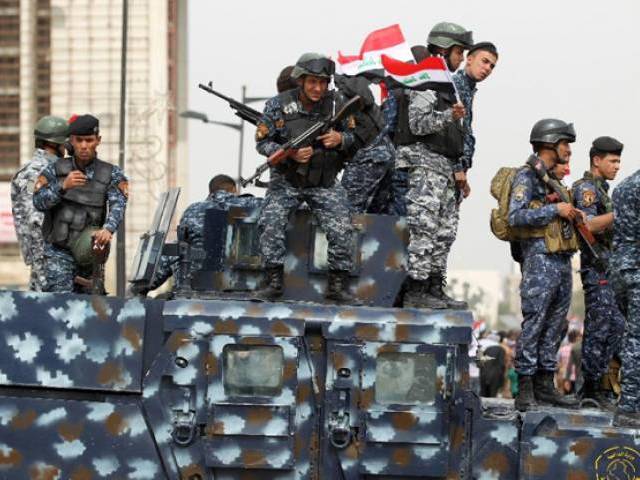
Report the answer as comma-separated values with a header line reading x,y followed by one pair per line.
x,y
247,114
305,138
590,242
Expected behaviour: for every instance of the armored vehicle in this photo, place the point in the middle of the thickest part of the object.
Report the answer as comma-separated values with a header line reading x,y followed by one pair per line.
x,y
212,385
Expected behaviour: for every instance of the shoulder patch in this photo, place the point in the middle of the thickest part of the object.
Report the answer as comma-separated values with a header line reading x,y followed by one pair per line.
x,y
588,198
41,182
123,186
280,123
261,132
519,192
351,122
290,108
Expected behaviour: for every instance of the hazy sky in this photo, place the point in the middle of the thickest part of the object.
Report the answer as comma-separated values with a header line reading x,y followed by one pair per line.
x,y
578,61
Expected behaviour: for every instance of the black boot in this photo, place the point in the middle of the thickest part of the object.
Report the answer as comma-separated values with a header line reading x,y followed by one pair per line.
x,y
274,283
626,419
418,295
525,400
338,288
546,392
593,396
436,289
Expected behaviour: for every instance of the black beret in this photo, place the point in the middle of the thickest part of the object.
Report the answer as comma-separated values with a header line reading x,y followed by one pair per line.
x,y
608,145
84,125
486,46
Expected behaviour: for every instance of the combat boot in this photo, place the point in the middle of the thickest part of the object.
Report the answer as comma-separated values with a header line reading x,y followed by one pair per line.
x,y
594,396
418,296
525,400
438,282
547,394
626,419
274,283
338,288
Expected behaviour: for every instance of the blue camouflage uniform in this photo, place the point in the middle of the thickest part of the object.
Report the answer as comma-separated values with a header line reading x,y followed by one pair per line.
x,y
624,273
545,289
27,220
61,266
328,201
603,323
467,89
191,228
400,176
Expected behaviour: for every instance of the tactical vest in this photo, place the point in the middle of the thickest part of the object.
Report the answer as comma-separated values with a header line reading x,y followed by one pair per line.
x,y
80,206
604,206
369,121
448,142
324,164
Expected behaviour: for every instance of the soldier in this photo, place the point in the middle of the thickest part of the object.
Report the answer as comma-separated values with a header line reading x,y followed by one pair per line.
x,y
546,245
624,273
50,135
223,194
78,193
603,323
309,175
429,139
284,81
481,60
367,177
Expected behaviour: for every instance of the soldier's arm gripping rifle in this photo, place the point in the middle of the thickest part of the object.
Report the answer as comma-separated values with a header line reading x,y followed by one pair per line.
x,y
595,249
305,138
247,114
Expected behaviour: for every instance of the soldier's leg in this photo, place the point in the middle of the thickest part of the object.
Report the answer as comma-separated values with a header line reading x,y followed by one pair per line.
x,y
630,354
447,228
280,203
535,299
382,196
426,190
60,270
399,187
330,207
356,181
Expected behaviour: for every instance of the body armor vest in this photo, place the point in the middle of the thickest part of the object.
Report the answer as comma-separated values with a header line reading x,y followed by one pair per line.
x,y
448,142
80,206
324,164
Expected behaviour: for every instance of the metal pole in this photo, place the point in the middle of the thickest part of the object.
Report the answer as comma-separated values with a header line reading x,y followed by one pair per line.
x,y
120,245
241,148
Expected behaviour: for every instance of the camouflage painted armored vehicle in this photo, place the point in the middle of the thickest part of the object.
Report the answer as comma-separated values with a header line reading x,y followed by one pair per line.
x,y
212,386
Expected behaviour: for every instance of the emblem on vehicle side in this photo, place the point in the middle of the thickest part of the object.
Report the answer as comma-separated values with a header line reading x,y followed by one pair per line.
x,y
618,463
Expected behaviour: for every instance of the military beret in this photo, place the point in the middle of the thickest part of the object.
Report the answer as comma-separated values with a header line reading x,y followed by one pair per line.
x,y
84,125
608,145
486,46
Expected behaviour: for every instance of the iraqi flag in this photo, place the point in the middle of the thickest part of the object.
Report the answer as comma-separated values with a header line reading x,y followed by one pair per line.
x,y
388,41
431,70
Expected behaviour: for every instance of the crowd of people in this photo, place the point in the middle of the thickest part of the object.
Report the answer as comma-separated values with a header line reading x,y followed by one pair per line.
x,y
409,156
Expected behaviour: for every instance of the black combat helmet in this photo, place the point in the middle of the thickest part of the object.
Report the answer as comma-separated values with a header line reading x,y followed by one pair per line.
x,y
552,130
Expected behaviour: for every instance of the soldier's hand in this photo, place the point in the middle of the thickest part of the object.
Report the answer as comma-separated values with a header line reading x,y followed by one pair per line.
x,y
458,111
102,237
466,191
566,210
75,179
302,155
331,139
461,179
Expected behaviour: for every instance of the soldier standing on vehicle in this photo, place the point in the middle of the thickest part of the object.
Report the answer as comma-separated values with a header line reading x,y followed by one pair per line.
x,y
223,194
546,243
603,323
78,193
430,143
624,274
308,174
50,135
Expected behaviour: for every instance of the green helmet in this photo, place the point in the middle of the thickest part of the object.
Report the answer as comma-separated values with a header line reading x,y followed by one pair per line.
x,y
82,247
52,129
447,34
313,64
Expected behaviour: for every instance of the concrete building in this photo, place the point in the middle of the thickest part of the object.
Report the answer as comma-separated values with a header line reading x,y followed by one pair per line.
x,y
73,58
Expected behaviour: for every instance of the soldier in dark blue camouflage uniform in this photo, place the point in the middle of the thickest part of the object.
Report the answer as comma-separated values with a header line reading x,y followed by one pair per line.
x,y
223,195
367,176
546,246
77,193
603,323
50,135
308,174
624,274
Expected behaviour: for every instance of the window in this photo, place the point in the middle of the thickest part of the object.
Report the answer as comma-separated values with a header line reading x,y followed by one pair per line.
x,y
245,246
253,370
405,378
